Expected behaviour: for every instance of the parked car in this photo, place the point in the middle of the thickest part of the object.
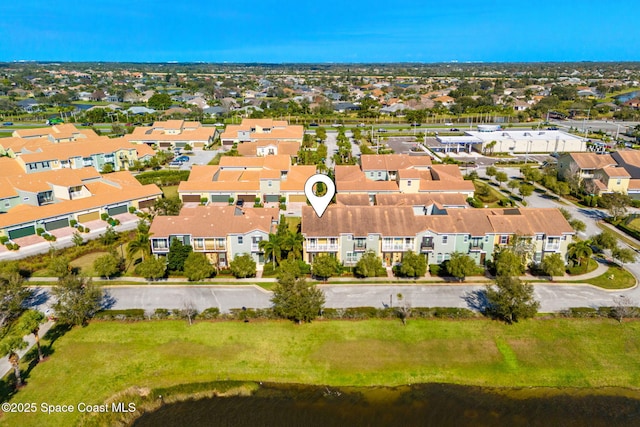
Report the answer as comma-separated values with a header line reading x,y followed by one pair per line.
x,y
175,163
87,124
313,125
553,128
361,125
239,203
382,130
416,124
218,125
182,159
448,124
454,130
337,125
7,124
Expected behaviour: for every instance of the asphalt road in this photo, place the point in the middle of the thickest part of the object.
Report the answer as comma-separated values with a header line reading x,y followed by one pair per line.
x,y
150,297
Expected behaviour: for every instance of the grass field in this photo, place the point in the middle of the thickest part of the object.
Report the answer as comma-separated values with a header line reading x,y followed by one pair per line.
x,y
614,278
170,191
93,364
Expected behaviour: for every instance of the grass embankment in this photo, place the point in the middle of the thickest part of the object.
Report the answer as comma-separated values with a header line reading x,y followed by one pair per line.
x,y
93,364
614,278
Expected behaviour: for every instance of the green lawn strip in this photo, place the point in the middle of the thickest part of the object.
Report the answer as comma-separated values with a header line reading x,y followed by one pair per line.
x,y
621,235
95,363
580,269
614,278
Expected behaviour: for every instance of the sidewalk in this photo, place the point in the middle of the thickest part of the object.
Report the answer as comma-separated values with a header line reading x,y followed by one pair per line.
x,y
5,366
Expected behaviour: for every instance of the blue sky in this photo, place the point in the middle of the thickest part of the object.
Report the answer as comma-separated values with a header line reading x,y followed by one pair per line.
x,y
320,31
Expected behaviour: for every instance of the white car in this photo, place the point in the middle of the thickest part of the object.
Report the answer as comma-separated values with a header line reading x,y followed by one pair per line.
x,y
448,124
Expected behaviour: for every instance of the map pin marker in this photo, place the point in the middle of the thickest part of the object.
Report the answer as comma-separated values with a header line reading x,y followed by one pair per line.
x,y
319,203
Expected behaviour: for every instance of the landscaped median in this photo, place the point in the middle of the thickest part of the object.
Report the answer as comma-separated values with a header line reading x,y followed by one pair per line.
x,y
107,361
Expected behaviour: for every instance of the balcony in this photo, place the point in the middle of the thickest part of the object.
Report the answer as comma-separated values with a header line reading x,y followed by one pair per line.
x,y
397,247
426,246
475,246
322,247
552,247
359,246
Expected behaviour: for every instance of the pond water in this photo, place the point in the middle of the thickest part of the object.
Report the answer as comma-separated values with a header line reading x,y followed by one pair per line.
x,y
417,405
628,96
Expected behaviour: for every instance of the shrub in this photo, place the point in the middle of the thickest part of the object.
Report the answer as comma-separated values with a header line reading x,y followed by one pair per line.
x,y
283,207
257,201
81,228
163,177
73,223
452,313
231,200
87,229
581,312
283,199
132,209
209,313
475,203
4,239
435,269
131,314
104,216
40,231
161,313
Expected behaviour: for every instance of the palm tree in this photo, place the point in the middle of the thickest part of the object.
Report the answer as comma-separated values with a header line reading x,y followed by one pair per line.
x,y
9,347
272,248
292,243
580,250
30,321
139,244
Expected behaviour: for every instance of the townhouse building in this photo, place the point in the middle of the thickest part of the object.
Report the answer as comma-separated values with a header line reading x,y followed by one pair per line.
x,y
172,134
347,232
52,199
603,173
255,130
219,232
400,173
66,147
247,178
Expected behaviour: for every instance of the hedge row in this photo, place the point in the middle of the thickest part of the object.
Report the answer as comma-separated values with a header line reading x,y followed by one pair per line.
x,y
600,312
163,177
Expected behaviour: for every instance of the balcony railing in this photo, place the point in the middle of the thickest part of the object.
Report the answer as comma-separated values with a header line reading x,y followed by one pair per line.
x,y
360,246
552,247
322,247
397,247
209,246
476,246
426,246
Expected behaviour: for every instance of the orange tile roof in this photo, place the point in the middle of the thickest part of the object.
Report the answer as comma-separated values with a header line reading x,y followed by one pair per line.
x,y
215,221
592,160
103,195
393,162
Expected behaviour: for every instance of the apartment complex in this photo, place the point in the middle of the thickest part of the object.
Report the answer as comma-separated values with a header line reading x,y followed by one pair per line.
x,y
261,130
172,134
247,178
51,199
400,173
66,147
220,232
603,173
347,232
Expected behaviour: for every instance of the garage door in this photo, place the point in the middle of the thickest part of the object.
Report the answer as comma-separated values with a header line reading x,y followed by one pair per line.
x,y
271,198
220,198
146,203
22,232
247,198
58,223
298,198
191,198
165,144
93,216
117,210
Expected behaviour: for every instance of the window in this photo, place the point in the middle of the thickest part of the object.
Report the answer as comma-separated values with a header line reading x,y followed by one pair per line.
x,y
445,239
539,237
379,174
240,240
466,239
46,165
486,238
439,258
504,239
618,181
270,183
409,183
32,166
447,256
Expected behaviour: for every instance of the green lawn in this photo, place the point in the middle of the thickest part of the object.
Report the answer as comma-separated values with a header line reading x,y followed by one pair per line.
x,y
170,191
85,263
95,363
614,278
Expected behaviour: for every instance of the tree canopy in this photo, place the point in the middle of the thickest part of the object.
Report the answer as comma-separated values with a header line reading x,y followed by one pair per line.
x,y
297,300
369,265
78,299
243,266
197,267
510,300
460,265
